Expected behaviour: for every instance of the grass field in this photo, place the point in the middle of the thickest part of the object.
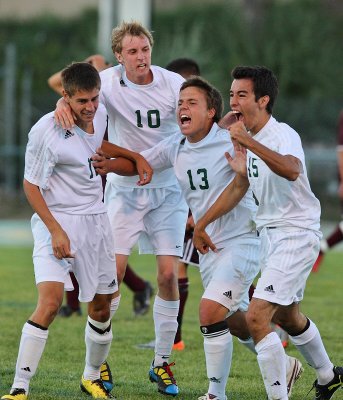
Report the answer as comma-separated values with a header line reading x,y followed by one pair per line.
x,y
62,362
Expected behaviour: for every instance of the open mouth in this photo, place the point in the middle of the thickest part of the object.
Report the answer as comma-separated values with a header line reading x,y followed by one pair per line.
x,y
185,119
237,114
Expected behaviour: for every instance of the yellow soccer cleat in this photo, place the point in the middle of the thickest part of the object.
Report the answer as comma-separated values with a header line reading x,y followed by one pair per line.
x,y
106,376
95,388
16,394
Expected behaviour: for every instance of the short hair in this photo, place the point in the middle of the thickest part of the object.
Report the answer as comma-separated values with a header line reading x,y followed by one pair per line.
x,y
264,82
80,76
184,66
133,28
213,97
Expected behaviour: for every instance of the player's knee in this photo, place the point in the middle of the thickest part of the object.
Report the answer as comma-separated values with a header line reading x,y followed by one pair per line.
x,y
215,329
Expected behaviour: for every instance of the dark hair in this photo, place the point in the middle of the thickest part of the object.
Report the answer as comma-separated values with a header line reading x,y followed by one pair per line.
x,y
213,96
184,66
80,76
264,81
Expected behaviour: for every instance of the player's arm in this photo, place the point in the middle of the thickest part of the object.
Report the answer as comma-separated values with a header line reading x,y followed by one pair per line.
x,y
124,162
55,82
286,166
228,199
59,239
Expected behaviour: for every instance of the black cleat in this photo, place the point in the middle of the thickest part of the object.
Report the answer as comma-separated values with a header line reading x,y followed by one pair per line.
x,y
326,392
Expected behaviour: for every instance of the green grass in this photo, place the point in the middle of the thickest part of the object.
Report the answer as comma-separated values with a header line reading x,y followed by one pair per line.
x,y
62,363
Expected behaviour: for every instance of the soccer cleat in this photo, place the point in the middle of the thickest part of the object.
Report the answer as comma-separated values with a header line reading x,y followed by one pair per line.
x,y
67,311
209,396
95,388
164,378
16,394
179,346
141,300
106,376
293,373
326,392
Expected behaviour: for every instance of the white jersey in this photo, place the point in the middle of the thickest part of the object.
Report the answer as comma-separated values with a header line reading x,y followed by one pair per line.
x,y
140,116
58,161
282,202
203,173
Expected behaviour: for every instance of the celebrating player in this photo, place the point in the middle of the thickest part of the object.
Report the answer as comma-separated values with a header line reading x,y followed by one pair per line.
x,y
66,194
141,101
288,220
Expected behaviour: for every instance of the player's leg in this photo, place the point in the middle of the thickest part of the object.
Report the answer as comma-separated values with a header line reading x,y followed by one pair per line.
x,y
34,337
183,293
142,289
335,237
305,335
217,346
98,339
271,356
72,300
165,311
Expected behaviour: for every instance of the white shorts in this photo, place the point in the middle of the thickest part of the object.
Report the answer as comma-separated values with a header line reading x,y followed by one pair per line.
x,y
92,244
228,274
155,218
287,257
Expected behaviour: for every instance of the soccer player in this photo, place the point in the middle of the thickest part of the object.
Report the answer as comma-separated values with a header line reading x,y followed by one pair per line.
x,y
141,101
196,154
65,192
142,289
288,221
337,235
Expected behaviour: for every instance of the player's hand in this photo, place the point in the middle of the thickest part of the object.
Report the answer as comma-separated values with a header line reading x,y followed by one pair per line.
x,y
202,241
99,162
238,162
340,190
239,133
98,61
144,170
64,115
61,244
230,118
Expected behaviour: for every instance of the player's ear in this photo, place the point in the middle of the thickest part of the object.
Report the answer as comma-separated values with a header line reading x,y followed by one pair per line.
x,y
65,96
211,112
263,101
119,57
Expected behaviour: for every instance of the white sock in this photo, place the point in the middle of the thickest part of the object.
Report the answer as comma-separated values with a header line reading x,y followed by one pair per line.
x,y
98,338
218,354
114,305
311,346
249,344
271,359
31,348
165,318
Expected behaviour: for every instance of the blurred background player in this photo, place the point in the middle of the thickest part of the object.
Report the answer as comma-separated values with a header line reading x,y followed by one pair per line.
x,y
337,235
142,290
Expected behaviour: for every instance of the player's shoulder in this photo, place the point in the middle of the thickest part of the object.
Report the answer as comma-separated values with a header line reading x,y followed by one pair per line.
x,y
45,130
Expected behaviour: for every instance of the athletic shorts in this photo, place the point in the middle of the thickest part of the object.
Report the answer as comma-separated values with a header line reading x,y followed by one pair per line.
x,y
190,253
154,217
92,245
228,274
287,257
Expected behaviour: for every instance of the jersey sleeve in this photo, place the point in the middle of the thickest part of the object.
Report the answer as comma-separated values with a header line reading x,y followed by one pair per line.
x,y
39,156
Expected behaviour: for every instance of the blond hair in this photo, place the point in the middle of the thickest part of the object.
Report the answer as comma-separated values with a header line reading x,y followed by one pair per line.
x,y
133,28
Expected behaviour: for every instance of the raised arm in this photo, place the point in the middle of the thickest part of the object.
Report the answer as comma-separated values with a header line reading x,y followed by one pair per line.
x,y
59,239
286,166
